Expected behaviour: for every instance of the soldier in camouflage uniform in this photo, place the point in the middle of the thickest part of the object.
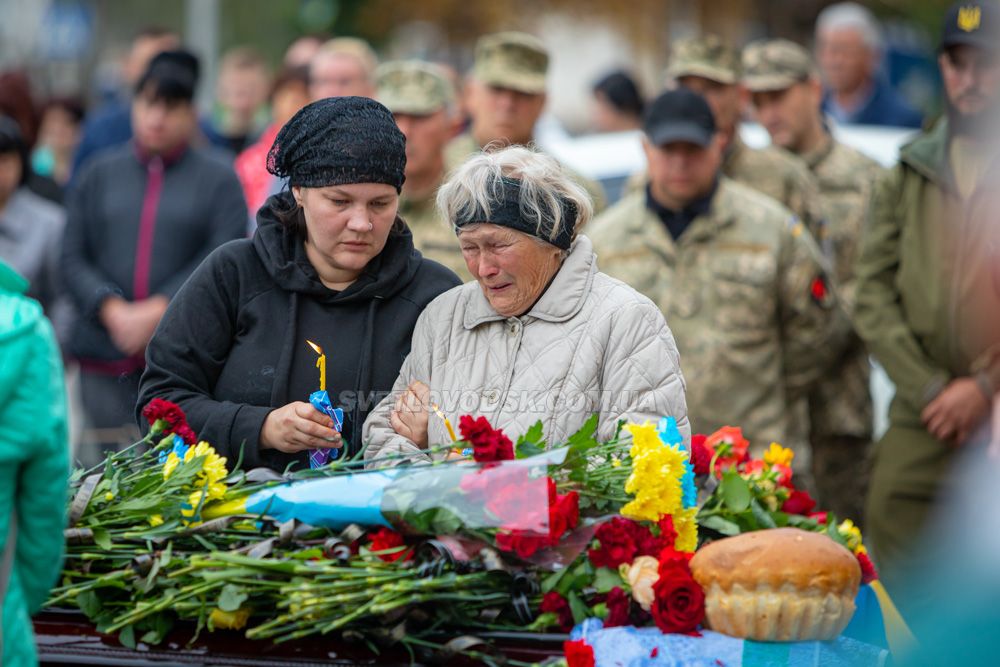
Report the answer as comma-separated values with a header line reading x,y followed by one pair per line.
x,y
787,95
506,97
740,281
711,68
422,99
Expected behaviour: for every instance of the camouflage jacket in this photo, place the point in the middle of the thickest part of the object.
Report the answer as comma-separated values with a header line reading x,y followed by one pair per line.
x,y
432,236
465,145
745,292
780,175
842,404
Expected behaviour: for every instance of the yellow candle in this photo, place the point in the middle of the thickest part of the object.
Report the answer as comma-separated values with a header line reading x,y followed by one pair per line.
x,y
447,424
320,364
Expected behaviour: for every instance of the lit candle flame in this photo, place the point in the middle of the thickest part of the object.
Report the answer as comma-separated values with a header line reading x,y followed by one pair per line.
x,y
315,347
447,424
320,364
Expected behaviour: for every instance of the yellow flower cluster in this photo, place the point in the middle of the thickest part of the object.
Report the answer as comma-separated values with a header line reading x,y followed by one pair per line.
x,y
208,482
778,455
687,529
655,480
852,534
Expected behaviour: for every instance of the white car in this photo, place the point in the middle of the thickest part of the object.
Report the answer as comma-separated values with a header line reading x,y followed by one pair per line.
x,y
611,158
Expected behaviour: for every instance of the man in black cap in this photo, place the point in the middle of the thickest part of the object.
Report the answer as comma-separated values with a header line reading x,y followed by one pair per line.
x,y
928,292
740,281
140,218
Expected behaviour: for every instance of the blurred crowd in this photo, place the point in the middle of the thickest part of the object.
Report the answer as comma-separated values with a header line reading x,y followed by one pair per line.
x,y
781,271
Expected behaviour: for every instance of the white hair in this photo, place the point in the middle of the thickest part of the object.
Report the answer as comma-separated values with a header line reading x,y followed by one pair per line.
x,y
544,185
851,15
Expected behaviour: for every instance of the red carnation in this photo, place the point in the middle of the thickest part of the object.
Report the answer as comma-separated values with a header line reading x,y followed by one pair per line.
x,y
619,607
169,412
186,434
521,542
701,455
578,654
679,602
868,573
670,557
488,444
385,539
820,517
556,604
799,502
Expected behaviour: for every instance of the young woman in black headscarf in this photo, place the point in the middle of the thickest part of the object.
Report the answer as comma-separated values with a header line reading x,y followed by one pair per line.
x,y
331,263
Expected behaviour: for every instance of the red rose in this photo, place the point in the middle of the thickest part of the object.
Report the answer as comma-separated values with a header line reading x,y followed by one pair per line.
x,y
556,604
618,543
169,412
679,602
799,502
384,539
701,455
488,444
820,517
670,557
868,573
734,444
567,508
578,654
619,607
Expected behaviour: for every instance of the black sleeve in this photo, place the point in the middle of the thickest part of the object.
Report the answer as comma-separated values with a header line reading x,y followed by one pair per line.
x,y
188,352
226,221
87,284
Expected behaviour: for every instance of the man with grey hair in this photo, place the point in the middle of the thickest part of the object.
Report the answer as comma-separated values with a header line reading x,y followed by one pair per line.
x,y
849,51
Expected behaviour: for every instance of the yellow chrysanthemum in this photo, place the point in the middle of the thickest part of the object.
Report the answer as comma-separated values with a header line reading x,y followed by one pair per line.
x,y
687,529
230,620
851,533
170,464
156,520
778,455
108,497
656,473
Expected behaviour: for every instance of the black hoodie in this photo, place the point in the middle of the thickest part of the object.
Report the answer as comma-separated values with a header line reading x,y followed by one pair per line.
x,y
229,349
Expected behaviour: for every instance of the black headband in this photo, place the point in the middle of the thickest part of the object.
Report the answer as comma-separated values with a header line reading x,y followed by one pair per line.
x,y
505,210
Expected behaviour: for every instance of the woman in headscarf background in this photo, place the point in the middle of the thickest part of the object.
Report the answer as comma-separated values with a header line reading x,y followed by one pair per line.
x,y
331,262
541,335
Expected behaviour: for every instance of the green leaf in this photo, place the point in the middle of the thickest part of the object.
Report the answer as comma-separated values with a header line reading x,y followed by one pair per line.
x,y
531,443
802,522
735,491
102,538
550,582
127,637
763,517
780,518
89,604
605,579
720,525
577,606
232,597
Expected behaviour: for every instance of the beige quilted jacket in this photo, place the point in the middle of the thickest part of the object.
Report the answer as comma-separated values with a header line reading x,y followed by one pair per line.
x,y
591,344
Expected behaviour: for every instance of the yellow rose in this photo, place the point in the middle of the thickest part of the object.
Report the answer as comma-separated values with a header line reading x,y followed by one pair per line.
x,y
641,575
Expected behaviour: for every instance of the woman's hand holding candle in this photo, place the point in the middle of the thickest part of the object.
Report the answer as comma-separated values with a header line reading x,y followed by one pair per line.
x,y
297,427
409,416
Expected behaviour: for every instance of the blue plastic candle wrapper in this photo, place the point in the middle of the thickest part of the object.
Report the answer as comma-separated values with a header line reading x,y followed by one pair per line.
x,y
321,401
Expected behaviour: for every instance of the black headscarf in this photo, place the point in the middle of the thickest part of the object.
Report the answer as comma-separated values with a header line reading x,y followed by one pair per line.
x,y
337,141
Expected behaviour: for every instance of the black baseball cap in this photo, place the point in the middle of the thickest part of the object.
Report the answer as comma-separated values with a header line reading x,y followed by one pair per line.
x,y
972,24
679,115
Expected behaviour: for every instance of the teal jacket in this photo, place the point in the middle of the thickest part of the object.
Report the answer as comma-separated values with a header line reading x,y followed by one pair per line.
x,y
34,464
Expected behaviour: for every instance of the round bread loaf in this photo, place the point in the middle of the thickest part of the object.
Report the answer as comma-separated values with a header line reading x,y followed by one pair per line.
x,y
783,584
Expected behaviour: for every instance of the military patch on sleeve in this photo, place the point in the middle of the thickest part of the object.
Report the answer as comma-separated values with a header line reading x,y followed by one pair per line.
x,y
820,292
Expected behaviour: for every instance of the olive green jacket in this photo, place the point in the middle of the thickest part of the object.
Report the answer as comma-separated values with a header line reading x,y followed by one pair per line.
x,y
927,276
737,290
432,236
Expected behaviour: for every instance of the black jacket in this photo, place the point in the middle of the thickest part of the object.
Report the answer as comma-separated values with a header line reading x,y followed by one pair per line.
x,y
225,347
200,207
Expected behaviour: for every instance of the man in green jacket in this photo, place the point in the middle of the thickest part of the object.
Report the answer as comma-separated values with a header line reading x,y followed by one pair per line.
x,y
928,293
34,465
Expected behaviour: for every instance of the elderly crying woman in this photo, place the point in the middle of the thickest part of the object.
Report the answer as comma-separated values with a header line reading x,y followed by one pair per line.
x,y
541,334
